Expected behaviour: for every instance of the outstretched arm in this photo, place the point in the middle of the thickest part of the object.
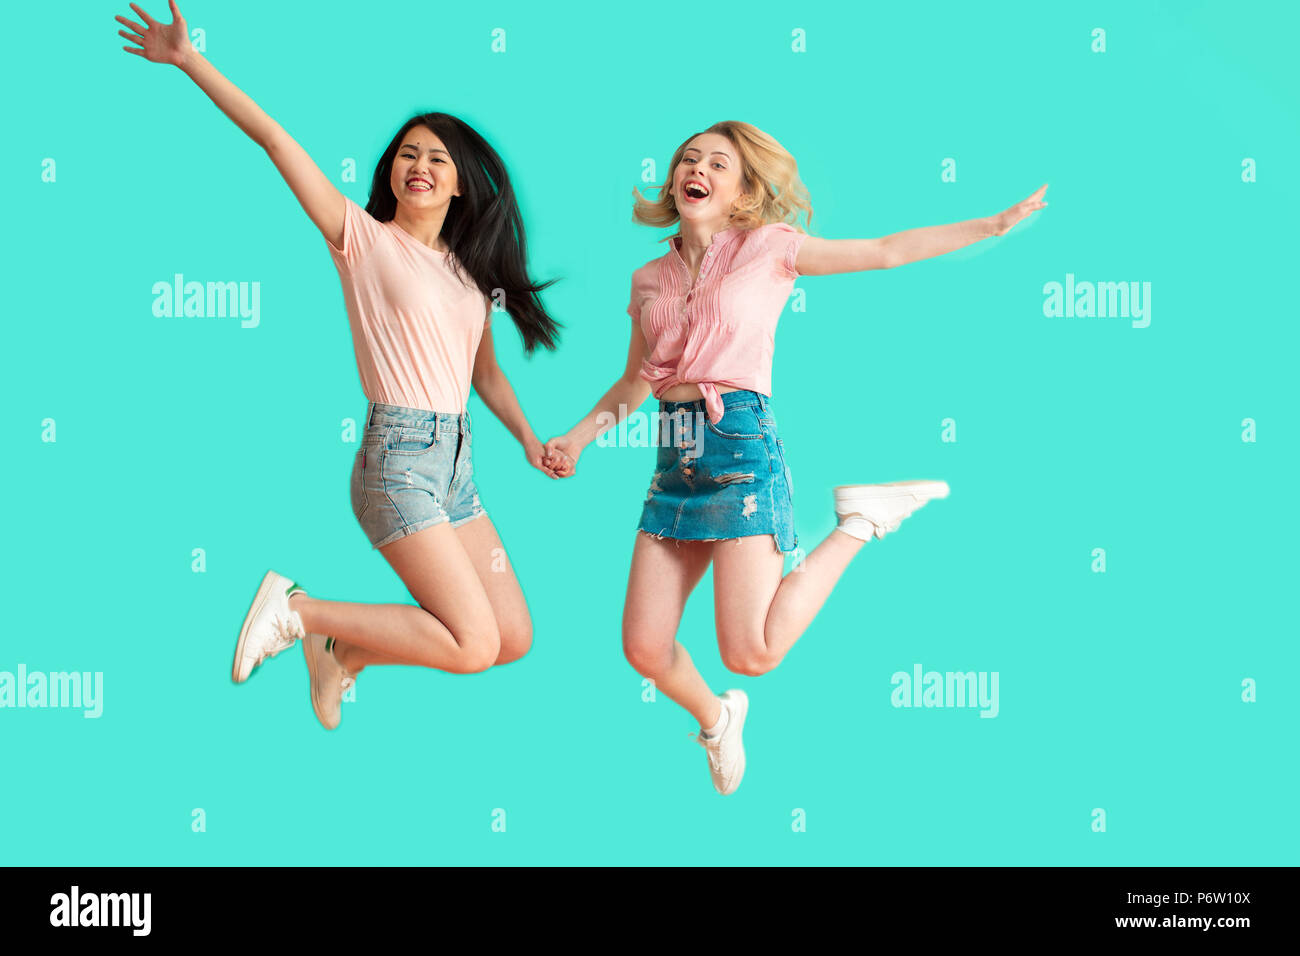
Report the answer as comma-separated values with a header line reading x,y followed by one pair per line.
x,y
625,395
494,388
170,43
829,256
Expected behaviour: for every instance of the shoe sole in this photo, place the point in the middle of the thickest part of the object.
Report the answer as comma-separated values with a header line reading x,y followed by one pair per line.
x,y
902,489
743,699
263,592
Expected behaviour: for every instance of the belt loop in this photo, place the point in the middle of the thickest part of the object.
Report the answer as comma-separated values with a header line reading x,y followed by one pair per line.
x,y
370,413
762,401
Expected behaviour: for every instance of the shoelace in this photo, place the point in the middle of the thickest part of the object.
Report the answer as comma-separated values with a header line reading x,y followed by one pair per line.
x,y
713,747
284,632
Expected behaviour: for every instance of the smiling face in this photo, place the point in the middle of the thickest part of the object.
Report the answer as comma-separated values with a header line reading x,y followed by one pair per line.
x,y
424,177
707,180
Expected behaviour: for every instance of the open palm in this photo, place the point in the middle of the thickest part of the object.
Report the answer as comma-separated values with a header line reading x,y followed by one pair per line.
x,y
157,42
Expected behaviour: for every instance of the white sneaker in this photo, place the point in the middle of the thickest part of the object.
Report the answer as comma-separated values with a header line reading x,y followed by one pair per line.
x,y
726,751
269,627
329,679
882,506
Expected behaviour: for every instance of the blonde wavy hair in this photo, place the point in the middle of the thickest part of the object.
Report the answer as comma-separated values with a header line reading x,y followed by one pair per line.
x,y
771,188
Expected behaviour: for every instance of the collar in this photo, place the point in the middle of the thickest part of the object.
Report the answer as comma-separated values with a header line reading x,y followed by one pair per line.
x,y
720,238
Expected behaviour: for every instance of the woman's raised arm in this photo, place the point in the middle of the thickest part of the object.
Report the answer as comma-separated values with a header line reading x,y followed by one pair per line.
x,y
819,257
170,43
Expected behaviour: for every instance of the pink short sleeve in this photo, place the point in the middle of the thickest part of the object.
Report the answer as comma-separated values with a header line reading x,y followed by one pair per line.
x,y
783,242
360,233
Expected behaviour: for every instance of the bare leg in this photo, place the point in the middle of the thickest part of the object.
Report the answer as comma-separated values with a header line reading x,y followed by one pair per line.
x,y
487,554
664,572
453,628
759,614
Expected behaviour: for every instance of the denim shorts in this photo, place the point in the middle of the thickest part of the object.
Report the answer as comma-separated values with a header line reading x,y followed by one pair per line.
x,y
412,471
720,481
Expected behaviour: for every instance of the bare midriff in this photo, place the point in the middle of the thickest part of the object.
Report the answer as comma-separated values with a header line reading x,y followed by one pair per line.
x,y
690,392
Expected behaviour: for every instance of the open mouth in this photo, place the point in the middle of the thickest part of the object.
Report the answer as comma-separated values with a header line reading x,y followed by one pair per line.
x,y
695,190
419,185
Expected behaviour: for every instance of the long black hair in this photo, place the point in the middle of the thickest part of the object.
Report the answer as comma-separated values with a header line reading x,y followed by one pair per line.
x,y
483,226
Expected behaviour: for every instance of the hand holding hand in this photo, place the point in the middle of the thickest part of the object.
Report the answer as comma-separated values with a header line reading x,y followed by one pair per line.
x,y
535,452
562,455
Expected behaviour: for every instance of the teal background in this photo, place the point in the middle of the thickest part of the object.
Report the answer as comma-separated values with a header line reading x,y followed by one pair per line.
x,y
1119,690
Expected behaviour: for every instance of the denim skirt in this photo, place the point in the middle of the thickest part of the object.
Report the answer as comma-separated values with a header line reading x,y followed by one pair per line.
x,y
413,471
716,481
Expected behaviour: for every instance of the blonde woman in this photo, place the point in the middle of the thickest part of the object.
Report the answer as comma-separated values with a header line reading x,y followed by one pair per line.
x,y
703,321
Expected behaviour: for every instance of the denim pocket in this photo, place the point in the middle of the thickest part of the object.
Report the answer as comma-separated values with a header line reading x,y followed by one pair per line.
x,y
411,439
789,481
740,421
358,489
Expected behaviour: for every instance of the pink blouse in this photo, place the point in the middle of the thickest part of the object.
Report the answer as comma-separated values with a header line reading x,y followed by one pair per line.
x,y
720,329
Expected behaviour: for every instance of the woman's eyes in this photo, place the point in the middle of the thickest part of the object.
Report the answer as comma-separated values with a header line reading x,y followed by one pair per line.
x,y
436,159
716,162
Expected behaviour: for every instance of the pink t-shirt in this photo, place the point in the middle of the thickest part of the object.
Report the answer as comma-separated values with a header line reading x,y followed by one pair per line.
x,y
415,325
720,330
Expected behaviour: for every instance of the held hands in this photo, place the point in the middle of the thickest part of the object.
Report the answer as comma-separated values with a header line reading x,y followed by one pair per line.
x,y
562,455
158,42
535,452
1003,221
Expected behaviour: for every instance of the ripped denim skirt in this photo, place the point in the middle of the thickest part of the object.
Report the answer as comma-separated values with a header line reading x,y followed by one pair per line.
x,y
723,480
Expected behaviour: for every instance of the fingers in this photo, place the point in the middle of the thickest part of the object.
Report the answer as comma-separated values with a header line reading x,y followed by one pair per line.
x,y
562,465
143,16
131,49
132,24
132,37
557,466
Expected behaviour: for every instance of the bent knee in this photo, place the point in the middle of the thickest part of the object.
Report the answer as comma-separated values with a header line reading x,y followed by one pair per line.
x,y
479,650
749,663
516,641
